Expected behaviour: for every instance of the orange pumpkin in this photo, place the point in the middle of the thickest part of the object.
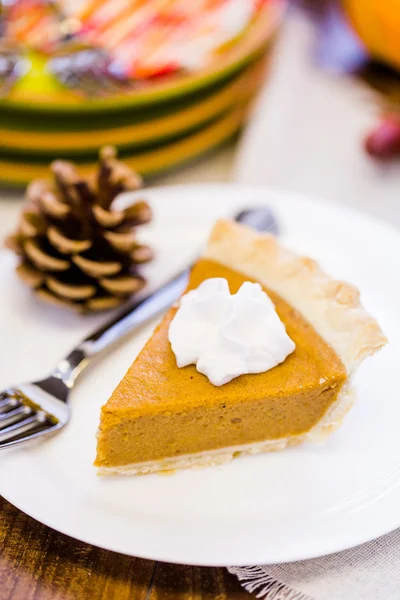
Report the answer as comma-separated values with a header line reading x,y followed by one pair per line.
x,y
377,23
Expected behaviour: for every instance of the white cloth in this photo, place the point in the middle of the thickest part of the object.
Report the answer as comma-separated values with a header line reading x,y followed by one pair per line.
x,y
306,135
368,572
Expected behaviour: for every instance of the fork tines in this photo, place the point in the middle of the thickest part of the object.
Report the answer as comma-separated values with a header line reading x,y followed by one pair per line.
x,y
19,417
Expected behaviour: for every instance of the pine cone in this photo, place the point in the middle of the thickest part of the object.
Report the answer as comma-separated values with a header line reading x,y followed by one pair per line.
x,y
76,250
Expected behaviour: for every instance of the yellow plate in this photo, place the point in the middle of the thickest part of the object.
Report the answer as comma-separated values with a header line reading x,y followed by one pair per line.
x,y
159,129
149,163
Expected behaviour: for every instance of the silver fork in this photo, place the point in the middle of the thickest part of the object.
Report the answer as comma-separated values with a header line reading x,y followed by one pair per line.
x,y
31,410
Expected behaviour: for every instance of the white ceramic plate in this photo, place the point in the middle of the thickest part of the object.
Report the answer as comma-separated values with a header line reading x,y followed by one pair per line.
x,y
300,503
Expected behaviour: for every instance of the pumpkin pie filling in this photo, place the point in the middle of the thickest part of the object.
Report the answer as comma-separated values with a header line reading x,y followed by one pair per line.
x,y
162,417
160,411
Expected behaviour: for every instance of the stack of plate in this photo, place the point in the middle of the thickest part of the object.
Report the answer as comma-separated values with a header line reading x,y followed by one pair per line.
x,y
155,127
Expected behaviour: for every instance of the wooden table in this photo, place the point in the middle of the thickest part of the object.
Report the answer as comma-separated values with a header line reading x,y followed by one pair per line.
x,y
37,563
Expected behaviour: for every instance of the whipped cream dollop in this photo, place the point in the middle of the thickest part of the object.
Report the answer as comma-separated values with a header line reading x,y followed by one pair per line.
x,y
226,335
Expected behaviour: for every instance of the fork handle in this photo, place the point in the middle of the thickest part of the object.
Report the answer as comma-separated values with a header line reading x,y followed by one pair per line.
x,y
136,315
133,317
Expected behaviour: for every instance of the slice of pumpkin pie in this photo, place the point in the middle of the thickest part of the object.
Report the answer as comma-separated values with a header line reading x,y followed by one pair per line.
x,y
258,355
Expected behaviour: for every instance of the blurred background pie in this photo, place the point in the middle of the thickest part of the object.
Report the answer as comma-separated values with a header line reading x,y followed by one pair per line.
x,y
163,80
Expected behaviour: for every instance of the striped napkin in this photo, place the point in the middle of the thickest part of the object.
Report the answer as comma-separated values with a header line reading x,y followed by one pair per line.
x,y
306,135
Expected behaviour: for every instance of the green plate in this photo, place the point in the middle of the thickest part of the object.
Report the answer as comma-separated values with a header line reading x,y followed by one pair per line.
x,y
20,170
46,145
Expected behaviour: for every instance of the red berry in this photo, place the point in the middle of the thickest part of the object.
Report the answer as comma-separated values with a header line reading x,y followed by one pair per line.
x,y
383,142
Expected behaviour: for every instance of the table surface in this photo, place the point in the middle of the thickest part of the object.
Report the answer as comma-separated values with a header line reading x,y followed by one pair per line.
x,y
37,563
